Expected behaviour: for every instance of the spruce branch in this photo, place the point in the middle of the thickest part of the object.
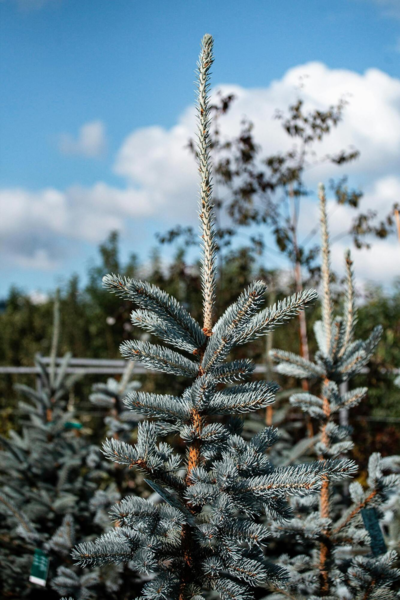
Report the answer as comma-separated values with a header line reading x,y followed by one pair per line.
x,y
19,515
354,512
145,456
104,551
158,358
243,398
295,366
150,297
301,479
273,316
158,405
228,328
162,328
237,370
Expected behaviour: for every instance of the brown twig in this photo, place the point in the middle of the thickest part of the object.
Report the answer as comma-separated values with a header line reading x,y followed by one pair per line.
x,y
283,592
397,217
325,546
369,589
355,512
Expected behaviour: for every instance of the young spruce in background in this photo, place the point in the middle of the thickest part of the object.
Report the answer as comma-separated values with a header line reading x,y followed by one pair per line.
x,y
205,535
335,533
49,494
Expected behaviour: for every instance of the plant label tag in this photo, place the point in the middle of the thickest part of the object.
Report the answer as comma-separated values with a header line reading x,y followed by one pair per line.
x,y
72,425
371,524
40,567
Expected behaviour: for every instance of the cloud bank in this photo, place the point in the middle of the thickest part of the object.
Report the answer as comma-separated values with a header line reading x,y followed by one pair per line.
x,y
159,176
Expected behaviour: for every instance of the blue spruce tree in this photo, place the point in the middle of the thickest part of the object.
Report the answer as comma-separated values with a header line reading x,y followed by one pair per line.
x,y
339,549
49,494
206,534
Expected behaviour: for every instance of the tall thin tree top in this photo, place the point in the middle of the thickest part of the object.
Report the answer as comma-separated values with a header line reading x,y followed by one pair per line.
x,y
325,267
208,263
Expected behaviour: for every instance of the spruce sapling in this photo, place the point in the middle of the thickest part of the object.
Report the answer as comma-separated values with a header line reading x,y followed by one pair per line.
x,y
331,535
48,495
205,534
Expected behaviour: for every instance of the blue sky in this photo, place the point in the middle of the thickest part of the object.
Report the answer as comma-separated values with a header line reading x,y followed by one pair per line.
x,y
124,67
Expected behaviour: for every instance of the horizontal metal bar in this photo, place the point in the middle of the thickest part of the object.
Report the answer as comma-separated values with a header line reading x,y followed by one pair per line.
x,y
118,364
20,370
85,370
101,366
90,362
103,413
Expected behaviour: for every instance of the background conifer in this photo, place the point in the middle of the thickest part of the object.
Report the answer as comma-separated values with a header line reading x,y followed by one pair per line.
x,y
49,492
340,551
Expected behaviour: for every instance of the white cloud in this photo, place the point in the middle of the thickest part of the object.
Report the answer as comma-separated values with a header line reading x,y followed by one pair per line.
x,y
379,264
371,120
38,297
160,176
90,142
156,160
38,229
41,259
